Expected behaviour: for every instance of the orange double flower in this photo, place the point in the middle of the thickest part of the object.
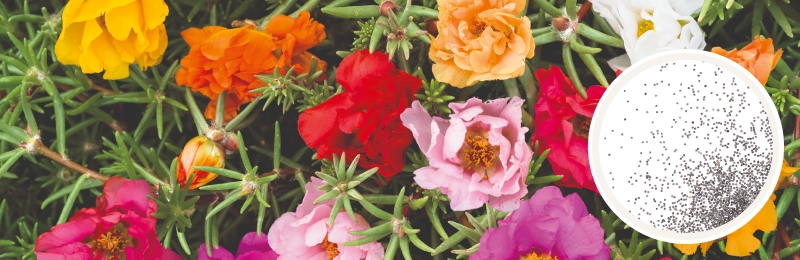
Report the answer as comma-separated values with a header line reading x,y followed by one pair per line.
x,y
229,59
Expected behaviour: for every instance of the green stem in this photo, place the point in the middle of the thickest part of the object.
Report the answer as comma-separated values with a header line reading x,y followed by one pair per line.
x,y
308,6
566,53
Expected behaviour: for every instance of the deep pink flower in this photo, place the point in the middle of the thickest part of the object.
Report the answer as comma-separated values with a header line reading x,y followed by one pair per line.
x,y
546,225
561,124
120,225
479,156
252,247
305,234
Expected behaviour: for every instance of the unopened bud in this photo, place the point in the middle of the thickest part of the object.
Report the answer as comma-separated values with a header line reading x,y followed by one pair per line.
x,y
65,174
248,188
246,22
795,181
560,23
200,151
386,6
432,27
231,142
216,135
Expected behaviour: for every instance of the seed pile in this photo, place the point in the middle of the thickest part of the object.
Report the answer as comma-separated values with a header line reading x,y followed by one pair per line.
x,y
686,146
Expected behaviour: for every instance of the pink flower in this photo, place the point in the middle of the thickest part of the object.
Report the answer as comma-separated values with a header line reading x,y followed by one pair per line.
x,y
305,234
479,156
548,226
252,247
119,225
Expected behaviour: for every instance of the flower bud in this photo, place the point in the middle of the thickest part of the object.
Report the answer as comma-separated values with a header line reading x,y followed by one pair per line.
x,y
216,135
200,151
431,27
231,142
560,23
386,6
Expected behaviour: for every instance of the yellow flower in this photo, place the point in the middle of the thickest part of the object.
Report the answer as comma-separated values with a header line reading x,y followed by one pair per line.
x,y
480,40
742,242
110,35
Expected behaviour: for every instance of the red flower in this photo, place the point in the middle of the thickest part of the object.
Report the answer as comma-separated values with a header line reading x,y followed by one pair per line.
x,y
365,119
119,225
562,125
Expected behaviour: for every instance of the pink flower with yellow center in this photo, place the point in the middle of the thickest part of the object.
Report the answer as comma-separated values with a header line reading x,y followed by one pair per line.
x,y
478,156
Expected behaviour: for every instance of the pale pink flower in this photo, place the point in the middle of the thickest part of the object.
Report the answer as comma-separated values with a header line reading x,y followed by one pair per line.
x,y
305,234
478,156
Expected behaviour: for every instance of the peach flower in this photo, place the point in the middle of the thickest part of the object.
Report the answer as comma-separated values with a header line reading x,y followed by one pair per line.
x,y
758,57
480,40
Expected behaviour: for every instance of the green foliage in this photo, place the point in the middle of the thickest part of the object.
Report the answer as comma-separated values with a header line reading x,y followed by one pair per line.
x,y
136,127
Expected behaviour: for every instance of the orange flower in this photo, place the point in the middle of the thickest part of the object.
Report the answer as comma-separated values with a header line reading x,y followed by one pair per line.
x,y
200,151
480,40
758,57
229,59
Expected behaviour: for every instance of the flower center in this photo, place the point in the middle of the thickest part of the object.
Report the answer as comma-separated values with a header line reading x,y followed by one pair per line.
x,y
580,125
534,256
644,26
480,26
478,154
331,248
101,21
114,241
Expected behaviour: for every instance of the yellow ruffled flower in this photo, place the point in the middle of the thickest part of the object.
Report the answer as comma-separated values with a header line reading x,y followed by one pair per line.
x,y
110,35
742,242
480,40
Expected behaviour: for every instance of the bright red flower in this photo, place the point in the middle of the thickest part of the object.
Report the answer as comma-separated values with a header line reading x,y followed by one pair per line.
x,y
120,225
562,125
365,119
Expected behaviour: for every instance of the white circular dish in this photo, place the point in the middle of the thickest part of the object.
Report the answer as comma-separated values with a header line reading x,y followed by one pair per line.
x,y
686,146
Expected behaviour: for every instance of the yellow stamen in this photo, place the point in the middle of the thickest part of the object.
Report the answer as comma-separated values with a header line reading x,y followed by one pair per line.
x,y
479,27
331,248
644,26
580,125
478,154
113,242
534,256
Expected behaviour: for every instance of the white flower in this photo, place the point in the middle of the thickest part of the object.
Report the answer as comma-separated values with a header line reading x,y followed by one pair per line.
x,y
651,26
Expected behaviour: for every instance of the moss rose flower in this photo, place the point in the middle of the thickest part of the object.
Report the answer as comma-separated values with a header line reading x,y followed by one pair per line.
x,y
480,40
305,234
252,247
223,59
111,35
365,119
120,227
759,57
479,156
548,226
648,27
562,125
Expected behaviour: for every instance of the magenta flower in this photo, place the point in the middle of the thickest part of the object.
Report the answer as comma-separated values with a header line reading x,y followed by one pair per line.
x,y
547,225
479,156
118,226
305,234
252,247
